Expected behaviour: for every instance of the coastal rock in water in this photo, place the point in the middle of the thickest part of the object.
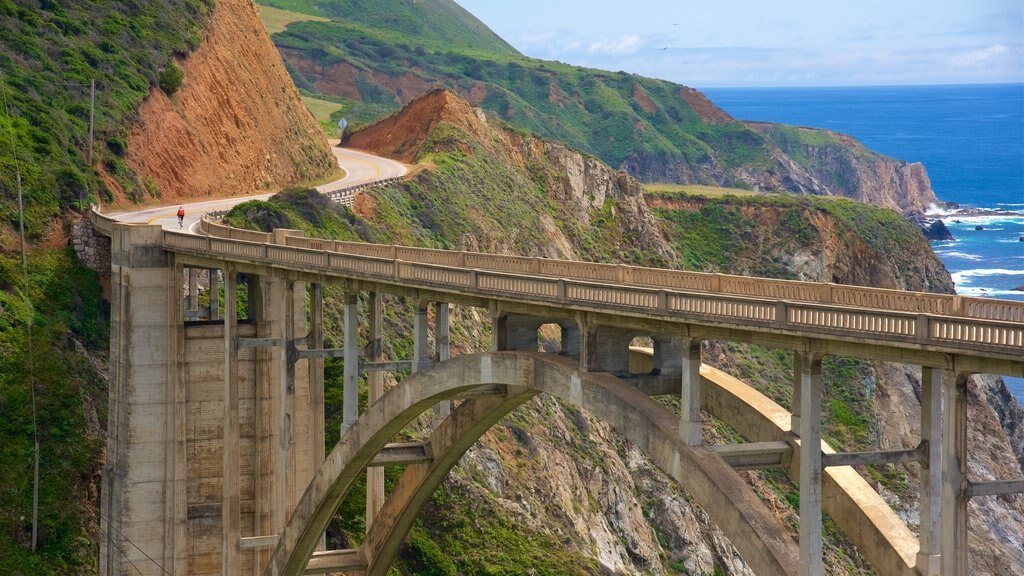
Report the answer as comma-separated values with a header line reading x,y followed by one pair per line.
x,y
1021,287
932,229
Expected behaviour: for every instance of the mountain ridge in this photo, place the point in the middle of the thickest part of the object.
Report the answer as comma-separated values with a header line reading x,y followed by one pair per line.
x,y
658,131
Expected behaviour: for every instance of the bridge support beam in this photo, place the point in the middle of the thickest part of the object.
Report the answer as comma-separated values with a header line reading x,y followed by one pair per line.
x,y
142,489
811,559
442,338
350,375
928,556
214,294
231,507
420,335
375,385
953,516
689,399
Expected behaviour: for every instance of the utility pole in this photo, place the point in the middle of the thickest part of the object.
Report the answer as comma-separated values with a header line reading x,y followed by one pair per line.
x,y
31,361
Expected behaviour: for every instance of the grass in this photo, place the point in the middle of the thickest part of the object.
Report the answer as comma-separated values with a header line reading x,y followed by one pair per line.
x,y
697,190
277,20
321,109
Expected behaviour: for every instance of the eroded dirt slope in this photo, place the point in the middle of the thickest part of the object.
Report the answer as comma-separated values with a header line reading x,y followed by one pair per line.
x,y
236,126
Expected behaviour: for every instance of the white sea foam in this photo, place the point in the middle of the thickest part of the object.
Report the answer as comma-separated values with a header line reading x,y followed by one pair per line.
x,y
986,292
955,254
963,277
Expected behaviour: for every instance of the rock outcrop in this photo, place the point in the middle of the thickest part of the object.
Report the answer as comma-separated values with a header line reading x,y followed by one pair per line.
x,y
236,126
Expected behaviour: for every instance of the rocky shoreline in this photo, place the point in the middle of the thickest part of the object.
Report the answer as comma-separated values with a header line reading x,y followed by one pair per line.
x,y
933,226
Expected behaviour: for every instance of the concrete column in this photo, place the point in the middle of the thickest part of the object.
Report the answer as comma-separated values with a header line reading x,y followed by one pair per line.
x,y
375,383
214,294
689,398
267,476
421,346
142,486
609,352
668,354
176,499
794,411
350,377
517,332
231,508
571,341
193,288
928,558
315,431
953,514
442,338
811,561
285,465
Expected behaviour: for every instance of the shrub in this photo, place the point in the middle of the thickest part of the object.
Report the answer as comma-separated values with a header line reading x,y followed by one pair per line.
x,y
170,78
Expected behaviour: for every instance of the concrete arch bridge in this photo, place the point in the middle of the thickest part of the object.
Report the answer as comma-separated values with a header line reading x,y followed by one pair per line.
x,y
216,458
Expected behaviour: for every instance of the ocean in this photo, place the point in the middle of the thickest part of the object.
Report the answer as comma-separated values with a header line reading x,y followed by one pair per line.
x,y
970,139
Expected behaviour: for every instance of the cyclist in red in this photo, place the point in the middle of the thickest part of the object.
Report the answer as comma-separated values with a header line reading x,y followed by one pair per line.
x,y
181,217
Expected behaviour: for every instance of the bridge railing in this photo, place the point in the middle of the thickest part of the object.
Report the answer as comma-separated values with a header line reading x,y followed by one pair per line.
x,y
801,307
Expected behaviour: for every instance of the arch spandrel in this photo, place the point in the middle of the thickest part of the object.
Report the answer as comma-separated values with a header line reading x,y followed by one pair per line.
x,y
759,537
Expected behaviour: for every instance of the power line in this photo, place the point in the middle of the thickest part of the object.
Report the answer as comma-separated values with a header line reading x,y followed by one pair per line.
x,y
119,533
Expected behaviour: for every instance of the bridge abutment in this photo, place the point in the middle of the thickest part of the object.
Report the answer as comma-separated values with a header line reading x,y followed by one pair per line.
x,y
213,431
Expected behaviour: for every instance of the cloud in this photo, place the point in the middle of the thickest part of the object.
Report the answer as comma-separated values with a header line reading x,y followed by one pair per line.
x,y
628,44
979,57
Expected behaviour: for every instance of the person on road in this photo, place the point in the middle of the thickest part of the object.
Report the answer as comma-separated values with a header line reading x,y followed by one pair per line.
x,y
181,216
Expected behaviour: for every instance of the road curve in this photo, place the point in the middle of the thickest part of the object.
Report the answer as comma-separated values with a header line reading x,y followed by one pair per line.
x,y
360,168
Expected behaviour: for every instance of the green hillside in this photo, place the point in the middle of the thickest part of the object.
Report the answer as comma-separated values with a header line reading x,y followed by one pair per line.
x,y
53,321
372,62
438,24
50,54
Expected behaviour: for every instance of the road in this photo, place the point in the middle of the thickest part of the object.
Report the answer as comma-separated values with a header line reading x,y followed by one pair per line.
x,y
360,168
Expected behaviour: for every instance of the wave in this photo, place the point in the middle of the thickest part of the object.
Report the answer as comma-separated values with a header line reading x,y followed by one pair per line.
x,y
987,292
963,276
955,254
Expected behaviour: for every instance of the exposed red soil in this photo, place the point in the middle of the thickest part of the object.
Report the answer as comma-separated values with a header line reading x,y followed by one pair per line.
x,y
236,126
704,108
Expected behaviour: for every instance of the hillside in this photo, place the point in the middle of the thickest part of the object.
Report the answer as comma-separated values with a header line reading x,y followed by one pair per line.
x,y
553,490
191,100
657,131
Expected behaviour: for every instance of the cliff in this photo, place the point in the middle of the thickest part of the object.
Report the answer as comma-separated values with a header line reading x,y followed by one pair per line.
x,y
236,126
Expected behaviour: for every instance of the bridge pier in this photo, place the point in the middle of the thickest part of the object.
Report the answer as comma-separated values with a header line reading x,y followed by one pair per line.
x,y
811,558
141,494
929,552
953,507
375,389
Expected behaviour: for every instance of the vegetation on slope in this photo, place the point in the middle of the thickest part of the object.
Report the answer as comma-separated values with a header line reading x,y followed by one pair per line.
x,y
656,130
50,53
53,322
52,387
778,231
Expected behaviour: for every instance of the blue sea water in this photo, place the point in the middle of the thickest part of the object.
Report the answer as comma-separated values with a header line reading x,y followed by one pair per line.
x,y
970,139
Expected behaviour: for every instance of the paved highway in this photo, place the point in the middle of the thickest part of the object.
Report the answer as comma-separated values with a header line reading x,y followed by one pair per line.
x,y
360,168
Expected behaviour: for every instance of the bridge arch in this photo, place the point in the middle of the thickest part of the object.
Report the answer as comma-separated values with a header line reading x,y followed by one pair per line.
x,y
493,385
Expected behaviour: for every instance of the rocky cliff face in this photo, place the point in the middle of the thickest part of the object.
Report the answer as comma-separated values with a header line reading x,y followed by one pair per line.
x,y
582,192
830,165
236,126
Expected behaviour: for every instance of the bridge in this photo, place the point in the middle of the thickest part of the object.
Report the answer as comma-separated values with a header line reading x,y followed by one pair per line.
x,y
216,459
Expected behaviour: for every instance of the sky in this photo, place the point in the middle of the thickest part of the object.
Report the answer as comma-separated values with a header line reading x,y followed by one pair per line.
x,y
752,43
